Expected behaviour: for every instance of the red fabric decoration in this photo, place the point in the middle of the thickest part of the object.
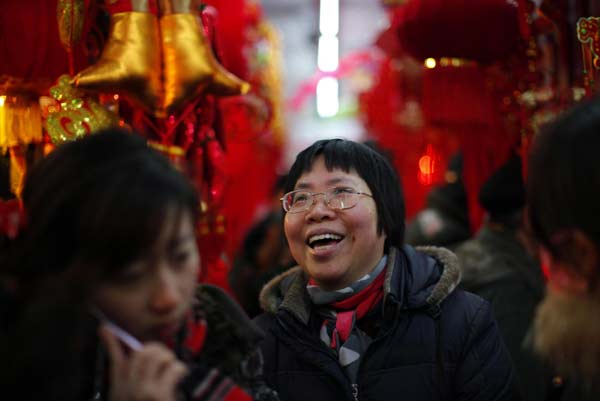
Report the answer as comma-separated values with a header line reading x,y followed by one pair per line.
x,y
456,95
234,18
12,218
30,47
392,114
245,194
460,95
121,6
482,30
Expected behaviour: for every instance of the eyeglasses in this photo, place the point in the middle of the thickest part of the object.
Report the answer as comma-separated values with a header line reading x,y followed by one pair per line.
x,y
336,198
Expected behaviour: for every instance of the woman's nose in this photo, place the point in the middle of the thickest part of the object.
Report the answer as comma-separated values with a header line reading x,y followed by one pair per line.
x,y
319,209
166,295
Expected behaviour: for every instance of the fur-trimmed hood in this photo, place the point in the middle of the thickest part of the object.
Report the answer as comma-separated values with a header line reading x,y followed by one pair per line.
x,y
415,278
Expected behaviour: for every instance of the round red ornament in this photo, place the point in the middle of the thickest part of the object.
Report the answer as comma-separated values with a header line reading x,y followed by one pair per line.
x,y
480,30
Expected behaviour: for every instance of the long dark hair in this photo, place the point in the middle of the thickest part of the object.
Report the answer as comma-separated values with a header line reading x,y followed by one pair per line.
x,y
92,206
97,203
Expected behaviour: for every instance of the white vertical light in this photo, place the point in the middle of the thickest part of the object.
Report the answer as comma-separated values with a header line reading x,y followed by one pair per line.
x,y
328,58
329,17
327,97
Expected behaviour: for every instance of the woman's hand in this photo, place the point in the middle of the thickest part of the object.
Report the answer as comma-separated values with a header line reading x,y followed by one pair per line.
x,y
149,374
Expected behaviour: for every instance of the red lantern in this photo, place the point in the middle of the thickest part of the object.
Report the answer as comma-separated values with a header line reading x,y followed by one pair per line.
x,y
480,30
31,51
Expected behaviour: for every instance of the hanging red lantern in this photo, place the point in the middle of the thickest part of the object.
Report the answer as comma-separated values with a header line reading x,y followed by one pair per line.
x,y
481,30
429,166
31,50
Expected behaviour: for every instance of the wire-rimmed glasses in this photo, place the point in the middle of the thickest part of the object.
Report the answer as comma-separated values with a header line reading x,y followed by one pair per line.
x,y
336,198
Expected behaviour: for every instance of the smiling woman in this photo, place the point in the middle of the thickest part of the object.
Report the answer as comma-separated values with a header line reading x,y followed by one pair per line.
x,y
335,252
363,316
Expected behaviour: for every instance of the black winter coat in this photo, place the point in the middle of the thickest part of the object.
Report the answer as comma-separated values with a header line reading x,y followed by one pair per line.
x,y
496,267
431,343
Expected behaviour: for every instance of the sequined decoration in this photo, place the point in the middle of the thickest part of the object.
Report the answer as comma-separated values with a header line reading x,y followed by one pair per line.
x,y
76,116
588,33
70,15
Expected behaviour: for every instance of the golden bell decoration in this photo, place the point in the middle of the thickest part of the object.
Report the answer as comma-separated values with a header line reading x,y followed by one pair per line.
x,y
75,116
190,66
130,62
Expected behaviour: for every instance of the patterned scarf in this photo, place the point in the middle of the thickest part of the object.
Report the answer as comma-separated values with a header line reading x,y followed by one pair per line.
x,y
341,310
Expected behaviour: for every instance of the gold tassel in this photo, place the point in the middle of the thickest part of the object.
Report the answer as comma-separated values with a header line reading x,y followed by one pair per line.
x,y
20,121
18,169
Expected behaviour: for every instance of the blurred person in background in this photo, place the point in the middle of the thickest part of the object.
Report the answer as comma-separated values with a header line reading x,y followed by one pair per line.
x,y
445,219
264,255
499,264
564,215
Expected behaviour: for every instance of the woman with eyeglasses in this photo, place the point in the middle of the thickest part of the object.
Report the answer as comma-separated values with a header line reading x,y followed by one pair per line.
x,y
362,316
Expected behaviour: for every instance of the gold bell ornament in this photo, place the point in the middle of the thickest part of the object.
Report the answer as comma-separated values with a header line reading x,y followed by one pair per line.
x,y
130,62
190,67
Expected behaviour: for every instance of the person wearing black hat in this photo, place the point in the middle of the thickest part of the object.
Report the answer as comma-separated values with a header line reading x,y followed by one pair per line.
x,y
445,219
498,266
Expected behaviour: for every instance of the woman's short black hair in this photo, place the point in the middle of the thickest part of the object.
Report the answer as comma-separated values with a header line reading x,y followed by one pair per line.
x,y
99,203
372,167
564,176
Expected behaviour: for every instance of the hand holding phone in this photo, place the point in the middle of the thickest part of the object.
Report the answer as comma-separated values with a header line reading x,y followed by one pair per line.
x,y
127,339
151,373
139,372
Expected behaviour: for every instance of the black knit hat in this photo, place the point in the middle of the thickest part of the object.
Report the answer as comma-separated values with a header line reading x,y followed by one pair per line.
x,y
504,192
451,198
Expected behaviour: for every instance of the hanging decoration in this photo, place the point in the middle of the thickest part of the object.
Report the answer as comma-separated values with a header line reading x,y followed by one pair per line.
x,y
71,17
130,61
190,66
20,120
72,116
173,70
31,48
473,54
481,30
20,126
429,166
162,62
588,33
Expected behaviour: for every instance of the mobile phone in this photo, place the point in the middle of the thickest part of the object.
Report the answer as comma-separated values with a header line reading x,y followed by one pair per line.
x,y
127,339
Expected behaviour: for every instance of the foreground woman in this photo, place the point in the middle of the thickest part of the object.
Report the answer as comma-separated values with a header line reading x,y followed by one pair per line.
x,y
105,273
